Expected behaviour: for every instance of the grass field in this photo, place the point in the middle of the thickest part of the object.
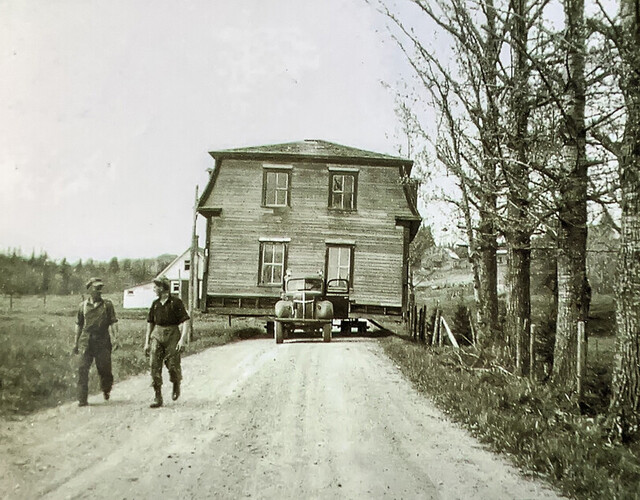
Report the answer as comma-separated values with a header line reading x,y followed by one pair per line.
x,y
37,369
540,429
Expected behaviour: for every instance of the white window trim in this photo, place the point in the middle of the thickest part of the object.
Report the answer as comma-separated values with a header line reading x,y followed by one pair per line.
x,y
274,239
347,170
276,166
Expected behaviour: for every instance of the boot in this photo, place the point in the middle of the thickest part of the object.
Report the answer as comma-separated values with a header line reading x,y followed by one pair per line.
x,y
176,391
157,402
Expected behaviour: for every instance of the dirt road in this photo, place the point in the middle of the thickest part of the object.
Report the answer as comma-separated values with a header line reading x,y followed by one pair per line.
x,y
300,420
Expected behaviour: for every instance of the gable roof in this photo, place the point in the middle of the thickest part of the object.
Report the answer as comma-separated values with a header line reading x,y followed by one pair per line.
x,y
199,251
312,150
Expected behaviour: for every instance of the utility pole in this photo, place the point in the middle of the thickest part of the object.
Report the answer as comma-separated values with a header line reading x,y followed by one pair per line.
x,y
193,268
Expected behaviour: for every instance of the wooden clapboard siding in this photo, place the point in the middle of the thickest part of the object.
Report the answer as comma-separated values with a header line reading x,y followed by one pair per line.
x,y
234,239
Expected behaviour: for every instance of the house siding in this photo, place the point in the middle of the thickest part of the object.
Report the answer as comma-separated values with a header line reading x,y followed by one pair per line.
x,y
309,223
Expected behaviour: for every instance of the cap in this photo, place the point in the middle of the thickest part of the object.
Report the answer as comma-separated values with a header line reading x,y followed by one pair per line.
x,y
97,282
162,282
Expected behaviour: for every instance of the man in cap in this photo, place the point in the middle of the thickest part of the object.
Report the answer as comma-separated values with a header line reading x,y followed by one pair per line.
x,y
167,326
96,318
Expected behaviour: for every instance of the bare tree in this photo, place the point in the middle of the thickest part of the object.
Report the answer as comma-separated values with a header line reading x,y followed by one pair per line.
x,y
624,410
573,288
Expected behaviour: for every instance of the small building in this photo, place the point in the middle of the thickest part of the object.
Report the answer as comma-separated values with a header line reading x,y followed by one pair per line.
x,y
178,272
308,207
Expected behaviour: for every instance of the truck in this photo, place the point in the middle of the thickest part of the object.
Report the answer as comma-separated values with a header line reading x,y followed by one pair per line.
x,y
310,304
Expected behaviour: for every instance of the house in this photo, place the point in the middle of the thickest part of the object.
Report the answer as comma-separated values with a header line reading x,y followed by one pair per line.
x,y
307,207
178,272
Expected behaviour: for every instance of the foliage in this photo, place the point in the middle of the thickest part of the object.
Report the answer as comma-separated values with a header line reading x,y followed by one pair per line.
x,y
461,325
42,276
422,242
539,428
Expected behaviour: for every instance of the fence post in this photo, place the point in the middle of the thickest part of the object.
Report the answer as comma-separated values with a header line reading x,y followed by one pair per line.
x,y
532,356
474,340
421,328
580,360
434,337
414,322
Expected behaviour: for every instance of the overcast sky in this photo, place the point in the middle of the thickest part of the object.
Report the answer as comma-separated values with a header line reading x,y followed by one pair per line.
x,y
108,108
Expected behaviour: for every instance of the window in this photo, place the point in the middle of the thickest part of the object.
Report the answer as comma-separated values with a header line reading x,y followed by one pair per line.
x,y
276,183
187,265
342,190
340,263
272,262
175,287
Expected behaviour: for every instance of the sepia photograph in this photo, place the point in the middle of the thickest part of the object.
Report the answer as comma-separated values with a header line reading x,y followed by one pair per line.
x,y
337,249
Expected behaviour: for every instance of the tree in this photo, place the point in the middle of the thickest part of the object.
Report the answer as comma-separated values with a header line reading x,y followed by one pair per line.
x,y
421,243
65,276
517,177
624,410
114,266
573,288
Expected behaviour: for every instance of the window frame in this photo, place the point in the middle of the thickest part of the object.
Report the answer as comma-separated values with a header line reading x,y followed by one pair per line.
x,y
352,251
261,261
343,172
277,170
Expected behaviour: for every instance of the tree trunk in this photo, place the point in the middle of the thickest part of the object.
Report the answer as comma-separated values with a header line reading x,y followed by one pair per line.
x,y
573,288
625,399
518,279
487,244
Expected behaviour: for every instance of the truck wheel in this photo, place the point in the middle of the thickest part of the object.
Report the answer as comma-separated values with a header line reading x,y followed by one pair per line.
x,y
326,332
279,332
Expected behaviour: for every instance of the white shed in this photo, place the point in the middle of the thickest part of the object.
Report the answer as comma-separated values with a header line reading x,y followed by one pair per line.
x,y
139,296
178,272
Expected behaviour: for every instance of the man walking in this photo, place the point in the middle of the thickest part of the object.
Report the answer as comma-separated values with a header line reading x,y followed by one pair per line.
x,y
167,326
96,317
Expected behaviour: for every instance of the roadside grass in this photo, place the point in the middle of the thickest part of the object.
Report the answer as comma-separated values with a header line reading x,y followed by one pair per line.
x,y
37,369
539,429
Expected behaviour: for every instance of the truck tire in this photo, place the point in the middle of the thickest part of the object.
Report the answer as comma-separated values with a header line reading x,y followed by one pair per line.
x,y
279,332
326,332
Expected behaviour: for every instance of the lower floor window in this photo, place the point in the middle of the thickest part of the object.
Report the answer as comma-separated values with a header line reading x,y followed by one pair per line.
x,y
272,262
340,263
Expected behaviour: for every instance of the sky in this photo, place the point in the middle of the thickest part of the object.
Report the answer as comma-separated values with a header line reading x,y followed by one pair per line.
x,y
108,108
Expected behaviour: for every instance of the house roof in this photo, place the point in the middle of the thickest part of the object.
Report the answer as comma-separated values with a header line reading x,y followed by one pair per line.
x,y
200,252
312,150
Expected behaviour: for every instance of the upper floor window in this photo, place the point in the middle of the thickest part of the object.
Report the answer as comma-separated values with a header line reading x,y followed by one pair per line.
x,y
276,185
343,187
187,265
273,258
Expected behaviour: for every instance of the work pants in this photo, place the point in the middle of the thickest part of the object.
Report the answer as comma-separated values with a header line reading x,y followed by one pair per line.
x,y
102,355
163,350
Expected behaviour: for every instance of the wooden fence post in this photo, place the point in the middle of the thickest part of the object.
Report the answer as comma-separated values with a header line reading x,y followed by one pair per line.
x,y
532,356
474,340
581,361
452,339
434,337
422,325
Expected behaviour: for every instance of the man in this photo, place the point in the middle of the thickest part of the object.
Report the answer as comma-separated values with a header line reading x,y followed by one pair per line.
x,y
96,317
167,326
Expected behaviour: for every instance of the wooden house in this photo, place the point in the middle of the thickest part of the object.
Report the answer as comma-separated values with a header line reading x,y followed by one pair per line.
x,y
178,272
306,207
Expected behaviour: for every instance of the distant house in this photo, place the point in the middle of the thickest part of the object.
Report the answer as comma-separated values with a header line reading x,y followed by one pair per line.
x,y
178,272
307,207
